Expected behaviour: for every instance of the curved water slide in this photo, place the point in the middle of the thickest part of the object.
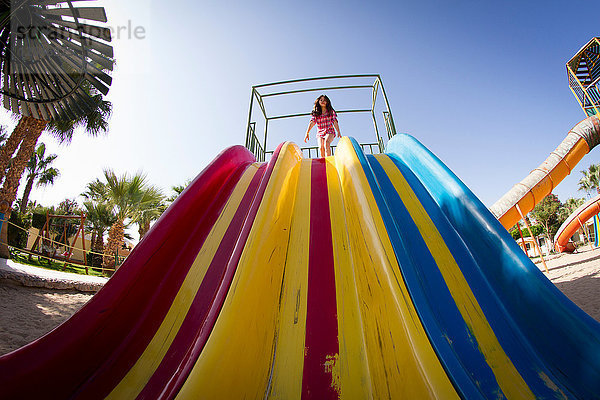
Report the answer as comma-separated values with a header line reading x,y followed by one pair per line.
x,y
576,221
353,276
523,197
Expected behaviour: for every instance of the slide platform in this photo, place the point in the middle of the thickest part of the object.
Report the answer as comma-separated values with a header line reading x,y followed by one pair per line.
x,y
352,276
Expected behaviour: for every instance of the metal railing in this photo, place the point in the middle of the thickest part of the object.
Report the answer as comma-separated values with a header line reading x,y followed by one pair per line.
x,y
259,147
253,144
308,151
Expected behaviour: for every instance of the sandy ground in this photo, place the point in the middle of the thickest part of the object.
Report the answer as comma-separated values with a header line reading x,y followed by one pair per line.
x,y
578,277
27,313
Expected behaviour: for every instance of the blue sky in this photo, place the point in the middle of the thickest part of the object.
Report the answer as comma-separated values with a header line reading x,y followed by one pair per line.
x,y
482,84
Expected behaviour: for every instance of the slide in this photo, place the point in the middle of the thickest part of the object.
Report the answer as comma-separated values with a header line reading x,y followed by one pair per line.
x,y
575,221
596,233
353,276
523,197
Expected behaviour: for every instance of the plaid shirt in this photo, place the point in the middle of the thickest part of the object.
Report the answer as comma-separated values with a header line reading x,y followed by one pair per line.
x,y
325,124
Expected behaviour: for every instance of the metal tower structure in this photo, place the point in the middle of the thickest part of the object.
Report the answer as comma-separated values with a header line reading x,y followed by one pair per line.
x,y
258,145
583,71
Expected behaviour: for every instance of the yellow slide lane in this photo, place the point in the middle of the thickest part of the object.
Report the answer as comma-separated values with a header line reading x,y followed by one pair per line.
x,y
401,361
509,379
236,361
352,367
288,363
135,380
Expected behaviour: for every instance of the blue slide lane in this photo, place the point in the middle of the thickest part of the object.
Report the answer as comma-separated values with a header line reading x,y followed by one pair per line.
x,y
448,332
448,316
460,377
541,330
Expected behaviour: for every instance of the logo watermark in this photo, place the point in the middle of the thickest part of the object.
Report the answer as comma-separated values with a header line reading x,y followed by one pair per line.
x,y
130,31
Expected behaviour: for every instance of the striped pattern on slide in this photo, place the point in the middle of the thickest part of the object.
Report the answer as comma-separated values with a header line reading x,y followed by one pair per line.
x,y
353,276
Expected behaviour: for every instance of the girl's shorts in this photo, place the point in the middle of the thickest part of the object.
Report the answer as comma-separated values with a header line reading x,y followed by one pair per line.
x,y
324,135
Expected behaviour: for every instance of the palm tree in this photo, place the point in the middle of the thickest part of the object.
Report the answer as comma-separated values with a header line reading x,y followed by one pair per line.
x,y
99,217
43,90
177,190
127,195
149,213
40,171
591,179
570,206
95,122
67,88
27,133
3,135
24,138
10,145
29,129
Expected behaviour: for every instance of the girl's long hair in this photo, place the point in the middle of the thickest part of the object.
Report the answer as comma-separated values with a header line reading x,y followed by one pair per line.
x,y
317,108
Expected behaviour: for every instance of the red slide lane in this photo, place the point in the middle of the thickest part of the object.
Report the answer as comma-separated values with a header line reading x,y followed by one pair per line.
x,y
198,324
116,325
321,342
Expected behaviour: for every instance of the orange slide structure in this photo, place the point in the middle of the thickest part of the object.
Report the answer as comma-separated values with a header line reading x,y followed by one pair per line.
x,y
541,181
576,221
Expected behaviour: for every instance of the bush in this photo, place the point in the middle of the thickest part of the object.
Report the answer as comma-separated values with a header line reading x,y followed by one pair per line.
x,y
94,260
38,220
537,230
18,237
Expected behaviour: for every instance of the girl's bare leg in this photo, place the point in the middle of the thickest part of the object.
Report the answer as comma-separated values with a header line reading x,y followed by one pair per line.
x,y
322,146
328,140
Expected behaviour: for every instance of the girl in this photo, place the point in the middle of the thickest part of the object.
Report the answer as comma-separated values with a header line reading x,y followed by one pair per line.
x,y
326,119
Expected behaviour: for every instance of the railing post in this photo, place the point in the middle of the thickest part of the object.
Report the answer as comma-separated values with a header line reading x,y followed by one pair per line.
x,y
375,124
387,105
250,117
251,138
264,149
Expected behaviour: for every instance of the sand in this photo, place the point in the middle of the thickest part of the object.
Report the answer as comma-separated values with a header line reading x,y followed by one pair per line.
x,y
27,313
578,277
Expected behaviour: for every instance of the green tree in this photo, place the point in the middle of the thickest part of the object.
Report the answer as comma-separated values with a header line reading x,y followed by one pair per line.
x,y
24,138
569,207
149,213
127,195
537,230
590,181
40,172
62,228
99,218
68,207
546,213
17,231
177,190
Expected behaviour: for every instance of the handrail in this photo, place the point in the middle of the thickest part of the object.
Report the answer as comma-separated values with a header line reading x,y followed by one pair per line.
x,y
317,78
307,114
317,90
363,146
259,146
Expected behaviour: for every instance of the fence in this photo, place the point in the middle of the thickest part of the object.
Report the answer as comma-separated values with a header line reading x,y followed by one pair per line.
x,y
47,241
